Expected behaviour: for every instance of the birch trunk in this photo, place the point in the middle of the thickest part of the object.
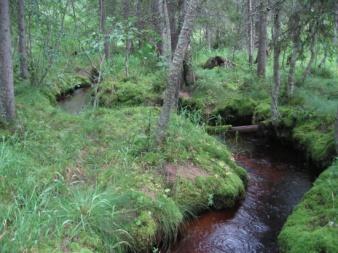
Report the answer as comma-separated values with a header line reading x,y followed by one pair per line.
x,y
262,40
103,28
126,12
250,33
165,31
276,65
312,56
175,71
336,133
336,25
22,40
292,70
7,101
295,37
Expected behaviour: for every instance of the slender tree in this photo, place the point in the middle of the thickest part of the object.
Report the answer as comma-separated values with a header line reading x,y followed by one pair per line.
x,y
126,13
175,70
276,64
336,24
313,38
22,40
102,12
250,32
7,102
294,28
262,39
165,30
336,133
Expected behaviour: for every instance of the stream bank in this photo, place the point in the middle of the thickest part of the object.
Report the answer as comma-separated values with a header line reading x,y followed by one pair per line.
x,y
277,181
99,173
255,233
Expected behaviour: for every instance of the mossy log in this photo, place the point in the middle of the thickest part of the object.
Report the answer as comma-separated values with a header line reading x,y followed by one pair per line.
x,y
245,129
229,128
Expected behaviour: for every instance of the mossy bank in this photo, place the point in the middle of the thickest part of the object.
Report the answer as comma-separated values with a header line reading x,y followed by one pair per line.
x,y
313,226
235,97
95,182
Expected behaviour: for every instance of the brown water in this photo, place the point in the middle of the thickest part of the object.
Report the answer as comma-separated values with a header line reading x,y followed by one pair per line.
x,y
277,182
77,101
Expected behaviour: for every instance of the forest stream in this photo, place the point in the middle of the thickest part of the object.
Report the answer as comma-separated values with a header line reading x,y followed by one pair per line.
x,y
278,180
75,101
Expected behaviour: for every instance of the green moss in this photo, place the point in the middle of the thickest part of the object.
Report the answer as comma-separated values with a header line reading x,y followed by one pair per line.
x,y
313,226
143,231
93,181
133,92
316,138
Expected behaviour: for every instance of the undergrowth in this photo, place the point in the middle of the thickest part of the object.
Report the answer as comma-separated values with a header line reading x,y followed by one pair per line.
x,y
96,182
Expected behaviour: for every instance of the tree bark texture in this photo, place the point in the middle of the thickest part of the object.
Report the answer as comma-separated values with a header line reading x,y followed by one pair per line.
x,y
165,31
276,65
262,40
336,24
312,55
126,12
103,28
250,32
22,40
336,133
175,71
7,103
294,28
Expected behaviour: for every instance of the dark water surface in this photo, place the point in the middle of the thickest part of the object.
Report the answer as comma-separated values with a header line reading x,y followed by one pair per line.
x,y
77,101
277,181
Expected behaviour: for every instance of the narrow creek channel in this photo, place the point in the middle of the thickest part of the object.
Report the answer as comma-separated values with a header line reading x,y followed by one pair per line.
x,y
76,101
278,180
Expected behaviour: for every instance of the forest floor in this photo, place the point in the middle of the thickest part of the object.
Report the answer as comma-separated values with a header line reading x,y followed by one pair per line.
x,y
94,182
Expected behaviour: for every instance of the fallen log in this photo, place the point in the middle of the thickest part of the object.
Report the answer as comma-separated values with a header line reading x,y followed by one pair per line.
x,y
245,129
228,128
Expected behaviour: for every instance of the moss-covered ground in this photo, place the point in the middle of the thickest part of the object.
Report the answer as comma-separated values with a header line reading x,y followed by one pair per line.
x,y
95,182
313,227
235,96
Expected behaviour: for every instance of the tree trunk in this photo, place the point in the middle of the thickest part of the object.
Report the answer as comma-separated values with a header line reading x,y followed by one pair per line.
x,y
165,31
126,12
175,70
208,34
7,101
103,29
295,37
292,70
336,133
172,11
140,22
312,56
323,61
336,25
276,65
250,32
22,40
262,40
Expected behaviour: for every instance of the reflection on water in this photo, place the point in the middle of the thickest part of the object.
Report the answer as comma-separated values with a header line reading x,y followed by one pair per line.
x,y
77,101
277,182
